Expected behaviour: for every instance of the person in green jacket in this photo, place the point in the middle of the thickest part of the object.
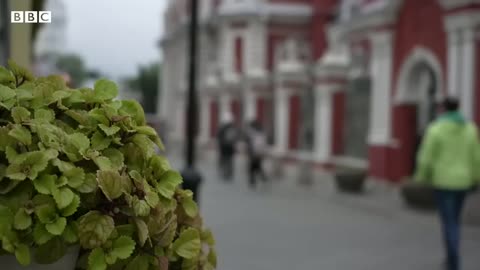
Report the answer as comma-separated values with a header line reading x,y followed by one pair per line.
x,y
449,161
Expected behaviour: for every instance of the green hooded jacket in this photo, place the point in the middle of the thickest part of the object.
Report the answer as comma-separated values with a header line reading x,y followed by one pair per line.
x,y
449,156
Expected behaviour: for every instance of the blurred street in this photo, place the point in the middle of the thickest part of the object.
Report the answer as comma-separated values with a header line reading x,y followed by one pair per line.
x,y
289,226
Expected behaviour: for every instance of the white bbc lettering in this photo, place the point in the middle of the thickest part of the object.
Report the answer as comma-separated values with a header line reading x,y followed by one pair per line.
x,y
16,16
31,17
45,16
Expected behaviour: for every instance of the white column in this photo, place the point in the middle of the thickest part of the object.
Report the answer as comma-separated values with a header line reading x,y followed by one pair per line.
x,y
281,120
467,97
381,72
205,119
256,45
225,105
323,123
250,110
454,57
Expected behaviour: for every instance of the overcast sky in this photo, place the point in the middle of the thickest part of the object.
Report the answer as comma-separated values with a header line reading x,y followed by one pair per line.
x,y
115,36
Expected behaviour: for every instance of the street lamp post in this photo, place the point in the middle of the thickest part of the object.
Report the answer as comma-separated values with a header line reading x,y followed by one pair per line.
x,y
191,177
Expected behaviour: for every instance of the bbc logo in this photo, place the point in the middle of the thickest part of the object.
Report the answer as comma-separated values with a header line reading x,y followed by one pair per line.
x,y
31,17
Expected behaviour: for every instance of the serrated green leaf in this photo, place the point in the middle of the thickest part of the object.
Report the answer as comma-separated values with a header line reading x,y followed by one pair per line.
x,y
123,247
70,234
158,165
212,258
26,165
51,251
140,262
103,163
94,229
6,219
46,115
72,207
140,207
99,141
144,143
63,197
168,183
20,114
133,109
8,104
57,227
75,177
142,231
22,253
96,260
190,207
109,131
110,183
6,93
152,198
5,139
208,238
21,134
89,184
45,184
188,244
115,157
63,166
147,130
99,115
22,220
41,235
105,89
45,208
80,141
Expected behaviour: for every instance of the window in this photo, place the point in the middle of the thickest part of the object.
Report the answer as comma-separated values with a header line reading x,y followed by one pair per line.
x,y
238,61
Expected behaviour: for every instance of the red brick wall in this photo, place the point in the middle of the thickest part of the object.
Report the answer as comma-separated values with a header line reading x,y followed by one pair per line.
x,y
236,108
238,57
294,122
213,118
420,23
338,122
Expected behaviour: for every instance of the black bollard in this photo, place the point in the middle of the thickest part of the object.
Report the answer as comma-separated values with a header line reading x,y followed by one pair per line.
x,y
192,181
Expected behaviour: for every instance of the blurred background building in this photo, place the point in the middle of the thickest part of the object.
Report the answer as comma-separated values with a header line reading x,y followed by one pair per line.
x,y
351,83
16,39
50,43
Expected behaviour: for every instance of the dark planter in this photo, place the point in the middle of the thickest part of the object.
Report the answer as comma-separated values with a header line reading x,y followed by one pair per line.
x,y
350,181
418,196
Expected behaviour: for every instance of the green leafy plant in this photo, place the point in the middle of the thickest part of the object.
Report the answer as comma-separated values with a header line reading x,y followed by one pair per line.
x,y
79,168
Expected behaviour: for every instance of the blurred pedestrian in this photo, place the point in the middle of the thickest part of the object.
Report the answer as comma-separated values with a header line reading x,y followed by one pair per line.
x,y
227,137
257,146
449,160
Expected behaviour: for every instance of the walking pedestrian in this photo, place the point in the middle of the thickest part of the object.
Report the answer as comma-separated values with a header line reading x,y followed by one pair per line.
x,y
227,137
449,160
257,143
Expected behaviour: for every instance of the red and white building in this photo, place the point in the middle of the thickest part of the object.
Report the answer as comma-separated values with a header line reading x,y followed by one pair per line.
x,y
350,82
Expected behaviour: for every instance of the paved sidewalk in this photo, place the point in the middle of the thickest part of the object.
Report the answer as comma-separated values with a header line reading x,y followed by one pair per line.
x,y
287,226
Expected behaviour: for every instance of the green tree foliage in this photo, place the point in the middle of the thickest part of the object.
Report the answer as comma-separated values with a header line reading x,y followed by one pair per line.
x,y
75,67
147,82
78,167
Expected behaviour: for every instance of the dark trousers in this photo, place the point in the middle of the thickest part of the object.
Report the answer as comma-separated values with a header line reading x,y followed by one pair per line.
x,y
450,206
256,168
226,166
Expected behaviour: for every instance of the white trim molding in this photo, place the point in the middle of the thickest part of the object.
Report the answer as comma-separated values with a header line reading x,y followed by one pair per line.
x,y
381,70
403,93
461,20
451,4
462,31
